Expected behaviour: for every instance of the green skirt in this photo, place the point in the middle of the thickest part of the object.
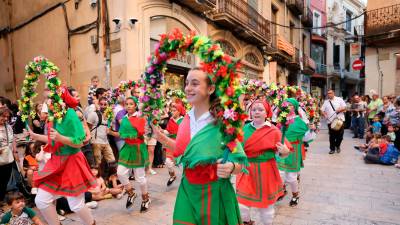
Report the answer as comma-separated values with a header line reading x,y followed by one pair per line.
x,y
214,203
132,156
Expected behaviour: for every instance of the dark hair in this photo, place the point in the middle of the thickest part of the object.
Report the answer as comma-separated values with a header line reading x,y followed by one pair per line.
x,y
100,91
37,146
13,196
103,99
4,109
215,105
5,101
387,138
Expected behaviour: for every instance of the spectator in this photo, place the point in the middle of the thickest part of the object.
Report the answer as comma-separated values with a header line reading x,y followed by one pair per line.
x,y
98,125
387,107
376,125
100,93
357,110
93,88
19,213
374,105
7,149
38,121
391,133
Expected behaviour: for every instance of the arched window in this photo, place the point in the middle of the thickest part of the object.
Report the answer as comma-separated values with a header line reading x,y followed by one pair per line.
x,y
252,58
227,47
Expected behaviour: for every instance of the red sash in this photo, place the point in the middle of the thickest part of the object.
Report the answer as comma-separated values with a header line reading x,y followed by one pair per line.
x,y
200,174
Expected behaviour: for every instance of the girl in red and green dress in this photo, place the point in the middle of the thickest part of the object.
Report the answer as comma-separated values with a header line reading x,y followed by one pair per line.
x,y
177,111
290,166
67,173
262,186
133,154
205,195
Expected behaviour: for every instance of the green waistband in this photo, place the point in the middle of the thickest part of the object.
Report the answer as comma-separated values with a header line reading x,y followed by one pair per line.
x,y
267,155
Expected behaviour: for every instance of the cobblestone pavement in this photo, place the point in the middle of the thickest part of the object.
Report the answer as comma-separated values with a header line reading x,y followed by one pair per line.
x,y
335,189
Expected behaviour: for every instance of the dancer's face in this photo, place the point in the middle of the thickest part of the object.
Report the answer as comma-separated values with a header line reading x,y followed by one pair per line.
x,y
258,112
130,106
198,89
175,113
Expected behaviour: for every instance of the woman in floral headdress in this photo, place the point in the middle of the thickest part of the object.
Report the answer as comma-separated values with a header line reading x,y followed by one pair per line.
x,y
291,165
205,194
262,186
67,173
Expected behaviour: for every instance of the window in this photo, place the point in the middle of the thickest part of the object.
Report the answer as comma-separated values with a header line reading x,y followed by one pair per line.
x,y
291,32
336,56
227,47
274,20
317,22
348,21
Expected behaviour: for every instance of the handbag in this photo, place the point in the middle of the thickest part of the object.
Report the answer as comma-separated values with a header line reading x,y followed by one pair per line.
x,y
6,155
337,123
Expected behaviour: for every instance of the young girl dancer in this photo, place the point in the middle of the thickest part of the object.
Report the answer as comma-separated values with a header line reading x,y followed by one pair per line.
x,y
67,172
133,154
262,186
205,194
178,111
290,166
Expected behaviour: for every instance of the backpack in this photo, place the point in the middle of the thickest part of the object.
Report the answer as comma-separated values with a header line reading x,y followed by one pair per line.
x,y
391,155
99,122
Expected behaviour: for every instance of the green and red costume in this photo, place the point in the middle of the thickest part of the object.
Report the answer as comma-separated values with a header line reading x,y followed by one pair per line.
x,y
203,198
295,134
67,172
172,128
134,152
262,186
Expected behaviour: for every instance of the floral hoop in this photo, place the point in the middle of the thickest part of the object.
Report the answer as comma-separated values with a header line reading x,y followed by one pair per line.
x,y
215,62
41,65
179,94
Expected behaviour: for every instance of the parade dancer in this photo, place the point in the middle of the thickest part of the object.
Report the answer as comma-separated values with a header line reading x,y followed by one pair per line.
x,y
177,111
290,166
205,194
262,186
133,154
67,172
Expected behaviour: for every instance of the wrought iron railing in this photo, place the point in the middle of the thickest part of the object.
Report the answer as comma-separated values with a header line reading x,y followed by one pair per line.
x,y
296,6
307,17
382,20
244,13
320,69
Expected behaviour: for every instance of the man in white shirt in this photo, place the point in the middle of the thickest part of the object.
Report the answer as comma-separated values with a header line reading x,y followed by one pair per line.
x,y
334,107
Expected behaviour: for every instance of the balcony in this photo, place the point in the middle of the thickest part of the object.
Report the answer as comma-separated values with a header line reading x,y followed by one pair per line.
x,y
352,75
307,17
321,69
296,6
198,6
243,21
294,63
281,50
382,26
308,65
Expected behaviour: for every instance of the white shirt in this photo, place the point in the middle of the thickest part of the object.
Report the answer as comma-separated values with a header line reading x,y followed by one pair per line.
x,y
200,123
337,103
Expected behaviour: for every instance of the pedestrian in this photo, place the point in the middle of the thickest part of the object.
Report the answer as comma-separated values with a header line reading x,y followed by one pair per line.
x,y
373,107
98,125
67,172
357,110
133,154
198,144
262,141
7,149
333,109
289,167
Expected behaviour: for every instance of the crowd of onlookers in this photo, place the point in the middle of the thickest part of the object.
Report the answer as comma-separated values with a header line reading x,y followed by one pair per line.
x,y
21,157
377,120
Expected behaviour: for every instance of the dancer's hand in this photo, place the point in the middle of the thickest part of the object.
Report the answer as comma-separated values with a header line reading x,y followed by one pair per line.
x,y
282,149
224,170
154,130
54,135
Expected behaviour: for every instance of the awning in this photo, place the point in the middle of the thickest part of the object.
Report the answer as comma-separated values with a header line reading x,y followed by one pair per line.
x,y
319,39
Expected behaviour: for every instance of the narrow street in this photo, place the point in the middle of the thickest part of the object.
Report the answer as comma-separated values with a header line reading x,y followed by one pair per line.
x,y
335,189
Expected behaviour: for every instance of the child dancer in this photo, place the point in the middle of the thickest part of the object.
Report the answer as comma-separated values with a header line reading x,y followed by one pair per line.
x,y
289,167
261,141
205,194
133,154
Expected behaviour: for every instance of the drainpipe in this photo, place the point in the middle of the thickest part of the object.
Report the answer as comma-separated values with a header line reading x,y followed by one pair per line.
x,y
106,42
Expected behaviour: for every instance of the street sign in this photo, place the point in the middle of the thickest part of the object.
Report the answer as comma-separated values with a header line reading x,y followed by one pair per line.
x,y
357,64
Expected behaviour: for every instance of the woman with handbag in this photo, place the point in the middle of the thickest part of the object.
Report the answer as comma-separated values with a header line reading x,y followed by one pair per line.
x,y
7,146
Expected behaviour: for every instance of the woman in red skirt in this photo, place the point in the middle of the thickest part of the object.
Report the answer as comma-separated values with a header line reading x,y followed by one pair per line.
x,y
262,186
67,173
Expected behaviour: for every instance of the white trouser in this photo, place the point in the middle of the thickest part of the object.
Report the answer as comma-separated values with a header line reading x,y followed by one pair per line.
x,y
266,214
291,179
44,199
140,177
170,164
